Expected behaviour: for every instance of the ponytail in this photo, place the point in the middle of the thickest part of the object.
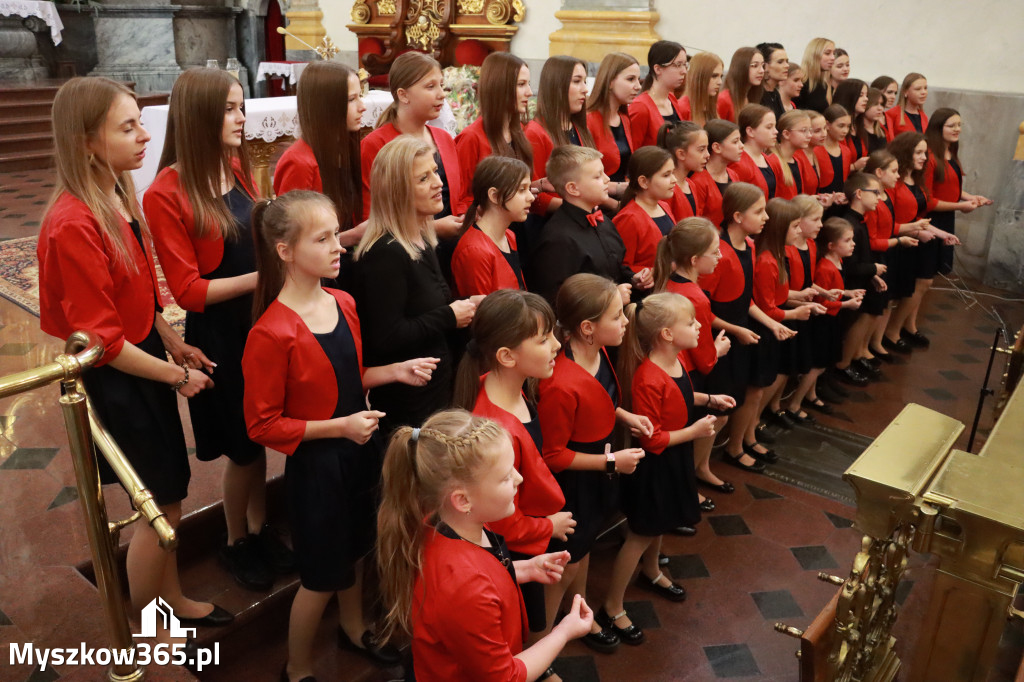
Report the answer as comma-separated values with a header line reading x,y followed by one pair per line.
x,y
408,69
646,320
689,238
504,174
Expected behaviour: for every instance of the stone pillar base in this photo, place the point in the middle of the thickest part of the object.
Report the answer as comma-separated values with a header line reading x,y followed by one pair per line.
x,y
147,78
19,55
136,43
590,35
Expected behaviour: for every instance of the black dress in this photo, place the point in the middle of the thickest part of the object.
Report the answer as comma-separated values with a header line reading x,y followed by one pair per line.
x,y
625,153
665,224
731,373
404,312
591,496
331,483
946,220
445,245
662,493
814,100
220,332
795,352
533,593
142,416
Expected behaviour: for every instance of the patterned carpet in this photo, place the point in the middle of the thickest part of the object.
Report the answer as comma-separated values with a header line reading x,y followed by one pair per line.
x,y
19,280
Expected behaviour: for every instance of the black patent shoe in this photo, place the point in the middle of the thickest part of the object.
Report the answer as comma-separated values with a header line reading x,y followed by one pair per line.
x,y
663,560
881,356
768,455
827,392
685,531
778,419
245,563
707,506
797,418
762,435
550,672
381,654
277,555
217,618
820,406
724,487
604,641
673,592
915,339
630,634
850,376
757,467
900,346
866,369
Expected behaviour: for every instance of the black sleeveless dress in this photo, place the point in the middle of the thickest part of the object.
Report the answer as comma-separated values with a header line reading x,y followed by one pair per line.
x,y
220,332
731,374
662,493
332,483
142,416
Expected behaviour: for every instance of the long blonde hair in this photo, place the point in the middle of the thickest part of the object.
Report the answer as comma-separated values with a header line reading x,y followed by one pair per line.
x,y
194,143
703,107
393,214
689,238
421,467
645,323
811,65
80,111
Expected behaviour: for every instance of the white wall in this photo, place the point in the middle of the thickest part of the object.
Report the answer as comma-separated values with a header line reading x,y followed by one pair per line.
x,y
958,45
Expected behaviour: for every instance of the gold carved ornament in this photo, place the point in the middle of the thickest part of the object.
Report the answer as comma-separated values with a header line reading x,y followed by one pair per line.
x,y
471,6
386,7
499,12
423,23
360,13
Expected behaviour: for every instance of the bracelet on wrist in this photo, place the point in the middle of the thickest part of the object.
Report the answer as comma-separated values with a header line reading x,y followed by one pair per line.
x,y
181,382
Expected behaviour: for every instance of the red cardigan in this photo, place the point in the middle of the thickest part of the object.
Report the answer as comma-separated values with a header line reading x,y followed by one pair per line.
x,y
573,406
289,379
705,355
646,120
809,180
769,292
747,170
184,256
478,265
827,175
949,189
297,169
528,530
904,204
639,234
881,226
726,283
726,108
708,196
605,141
84,285
373,142
656,396
680,205
828,276
685,110
798,279
893,127
542,148
471,146
467,615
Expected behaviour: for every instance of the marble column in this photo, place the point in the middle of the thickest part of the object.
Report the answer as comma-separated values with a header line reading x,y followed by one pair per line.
x,y
20,59
135,42
205,29
304,22
593,28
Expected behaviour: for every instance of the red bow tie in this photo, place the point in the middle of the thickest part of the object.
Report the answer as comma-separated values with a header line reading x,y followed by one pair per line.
x,y
595,218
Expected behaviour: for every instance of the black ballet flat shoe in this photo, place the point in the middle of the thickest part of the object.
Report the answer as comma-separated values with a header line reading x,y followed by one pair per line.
x,y
214,619
685,531
674,592
915,339
630,634
285,678
820,406
769,456
778,419
805,419
663,560
866,369
383,654
604,642
827,393
882,356
900,345
707,506
550,672
850,376
724,487
757,467
762,435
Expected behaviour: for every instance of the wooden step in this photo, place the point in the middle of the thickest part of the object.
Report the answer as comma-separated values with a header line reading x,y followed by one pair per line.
x,y
26,109
25,142
12,163
29,124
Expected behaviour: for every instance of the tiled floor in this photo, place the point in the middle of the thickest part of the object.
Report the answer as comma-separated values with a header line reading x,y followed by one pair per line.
x,y
753,562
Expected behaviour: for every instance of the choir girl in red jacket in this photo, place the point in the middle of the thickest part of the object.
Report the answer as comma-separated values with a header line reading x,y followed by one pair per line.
x,y
944,179
835,243
687,142
852,95
703,82
504,93
579,407
615,87
709,185
742,85
662,494
690,250
667,67
645,216
96,273
514,346
326,158
561,119
834,157
199,208
757,165
794,130
415,80
447,578
305,396
908,114
485,258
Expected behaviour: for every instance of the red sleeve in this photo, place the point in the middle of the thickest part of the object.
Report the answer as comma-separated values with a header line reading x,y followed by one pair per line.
x,y
266,377
522,533
824,277
647,400
472,268
640,122
368,149
628,225
87,299
725,106
476,636
470,152
452,171
290,174
766,279
878,240
541,143
174,247
683,108
557,410
929,183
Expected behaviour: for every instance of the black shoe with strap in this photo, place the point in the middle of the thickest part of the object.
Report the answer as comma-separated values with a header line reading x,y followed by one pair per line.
x,y
631,634
381,654
244,562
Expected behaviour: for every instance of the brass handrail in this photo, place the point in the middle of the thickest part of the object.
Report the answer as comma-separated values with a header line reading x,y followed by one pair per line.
x,y
86,436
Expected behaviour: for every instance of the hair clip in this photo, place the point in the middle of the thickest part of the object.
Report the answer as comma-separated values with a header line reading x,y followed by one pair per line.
x,y
415,435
